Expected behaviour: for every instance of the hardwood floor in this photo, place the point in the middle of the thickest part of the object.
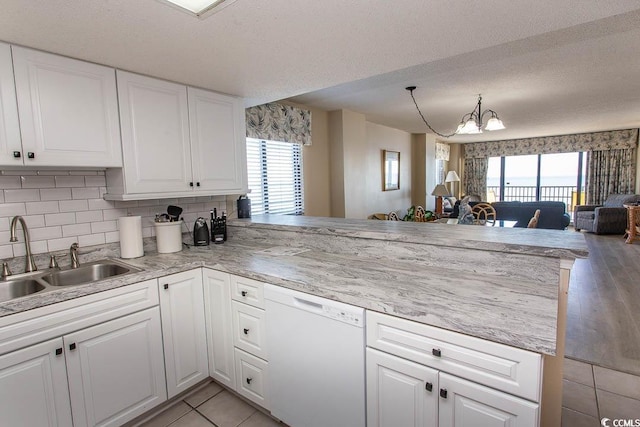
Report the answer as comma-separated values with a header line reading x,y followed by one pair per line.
x,y
603,319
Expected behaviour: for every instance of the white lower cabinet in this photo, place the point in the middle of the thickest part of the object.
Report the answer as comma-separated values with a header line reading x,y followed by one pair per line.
x,y
252,374
467,404
33,386
115,369
235,334
217,303
183,330
400,392
418,375
404,393
249,329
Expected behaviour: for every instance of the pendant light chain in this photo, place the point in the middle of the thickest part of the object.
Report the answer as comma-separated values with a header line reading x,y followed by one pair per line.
x,y
471,122
411,89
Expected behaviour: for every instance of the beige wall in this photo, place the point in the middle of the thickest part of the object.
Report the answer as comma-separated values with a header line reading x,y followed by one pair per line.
x,y
356,166
316,164
336,154
456,164
423,173
418,169
379,138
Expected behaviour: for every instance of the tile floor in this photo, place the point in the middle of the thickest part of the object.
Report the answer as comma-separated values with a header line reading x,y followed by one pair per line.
x,y
211,406
591,393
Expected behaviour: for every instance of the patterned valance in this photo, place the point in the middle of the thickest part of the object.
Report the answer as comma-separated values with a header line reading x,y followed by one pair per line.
x,y
597,141
442,151
277,122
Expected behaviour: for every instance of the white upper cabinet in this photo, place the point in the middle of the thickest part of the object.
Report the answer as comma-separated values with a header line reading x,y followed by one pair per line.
x,y
68,111
217,141
177,141
10,146
155,134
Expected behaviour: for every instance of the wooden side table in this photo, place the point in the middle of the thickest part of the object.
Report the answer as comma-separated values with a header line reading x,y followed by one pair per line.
x,y
633,223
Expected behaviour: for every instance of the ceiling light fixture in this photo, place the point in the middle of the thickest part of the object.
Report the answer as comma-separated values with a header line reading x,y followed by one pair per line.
x,y
199,8
470,124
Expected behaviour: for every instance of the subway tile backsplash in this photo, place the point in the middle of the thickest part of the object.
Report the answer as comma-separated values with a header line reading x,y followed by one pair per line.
x,y
63,207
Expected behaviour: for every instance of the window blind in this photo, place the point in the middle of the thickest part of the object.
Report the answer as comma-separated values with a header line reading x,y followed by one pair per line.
x,y
274,172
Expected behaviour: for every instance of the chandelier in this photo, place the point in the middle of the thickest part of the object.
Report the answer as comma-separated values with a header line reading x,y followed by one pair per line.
x,y
470,124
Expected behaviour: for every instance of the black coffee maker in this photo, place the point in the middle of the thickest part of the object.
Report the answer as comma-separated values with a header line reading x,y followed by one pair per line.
x,y
201,236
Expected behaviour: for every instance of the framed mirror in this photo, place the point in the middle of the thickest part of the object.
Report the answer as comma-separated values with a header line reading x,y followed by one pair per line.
x,y
391,170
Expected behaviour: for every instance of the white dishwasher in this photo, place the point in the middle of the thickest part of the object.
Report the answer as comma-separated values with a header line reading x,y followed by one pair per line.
x,y
316,359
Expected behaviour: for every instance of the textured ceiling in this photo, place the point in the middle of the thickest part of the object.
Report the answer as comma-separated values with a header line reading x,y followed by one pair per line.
x,y
547,67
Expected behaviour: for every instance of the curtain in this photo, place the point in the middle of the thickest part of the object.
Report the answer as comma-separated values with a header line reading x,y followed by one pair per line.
x,y
596,141
610,172
277,122
442,151
475,177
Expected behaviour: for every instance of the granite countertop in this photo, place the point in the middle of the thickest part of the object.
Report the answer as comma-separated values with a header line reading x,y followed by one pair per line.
x,y
496,308
549,243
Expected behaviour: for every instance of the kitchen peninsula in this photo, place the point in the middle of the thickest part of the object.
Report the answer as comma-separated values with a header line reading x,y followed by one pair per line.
x,y
505,287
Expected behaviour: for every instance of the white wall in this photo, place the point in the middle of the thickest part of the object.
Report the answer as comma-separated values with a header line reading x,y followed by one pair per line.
x,y
63,207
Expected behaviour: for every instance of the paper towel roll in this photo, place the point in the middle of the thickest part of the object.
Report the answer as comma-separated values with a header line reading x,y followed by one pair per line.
x,y
130,236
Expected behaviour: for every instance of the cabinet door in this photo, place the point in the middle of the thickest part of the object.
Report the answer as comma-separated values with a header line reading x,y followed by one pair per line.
x,y
116,369
183,330
33,387
155,134
467,404
400,393
217,303
218,141
68,111
9,125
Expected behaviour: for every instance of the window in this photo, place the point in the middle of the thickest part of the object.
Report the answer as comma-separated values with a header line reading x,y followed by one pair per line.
x,y
538,177
440,175
274,171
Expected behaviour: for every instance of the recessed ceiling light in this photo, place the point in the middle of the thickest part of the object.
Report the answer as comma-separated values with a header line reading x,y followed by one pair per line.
x,y
199,8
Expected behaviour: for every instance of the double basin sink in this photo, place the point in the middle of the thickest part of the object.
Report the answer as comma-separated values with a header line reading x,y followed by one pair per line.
x,y
30,283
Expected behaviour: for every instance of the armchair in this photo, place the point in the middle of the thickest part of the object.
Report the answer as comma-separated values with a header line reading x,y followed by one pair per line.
x,y
609,218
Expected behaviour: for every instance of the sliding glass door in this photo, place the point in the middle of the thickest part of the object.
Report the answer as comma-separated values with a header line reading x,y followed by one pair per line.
x,y
540,177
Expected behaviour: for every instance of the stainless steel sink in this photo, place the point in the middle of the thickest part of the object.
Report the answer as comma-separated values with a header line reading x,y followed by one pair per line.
x,y
87,273
24,284
17,288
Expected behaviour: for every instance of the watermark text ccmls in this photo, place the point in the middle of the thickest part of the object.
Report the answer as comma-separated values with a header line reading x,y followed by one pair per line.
x,y
619,422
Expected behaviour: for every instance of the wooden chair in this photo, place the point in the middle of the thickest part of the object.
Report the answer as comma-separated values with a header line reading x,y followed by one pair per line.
x,y
420,215
381,216
483,213
393,216
533,222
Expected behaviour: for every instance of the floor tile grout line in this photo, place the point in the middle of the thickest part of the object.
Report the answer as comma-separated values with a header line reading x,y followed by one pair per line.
x,y
595,390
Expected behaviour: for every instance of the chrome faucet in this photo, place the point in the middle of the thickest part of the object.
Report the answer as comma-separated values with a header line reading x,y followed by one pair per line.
x,y
73,251
30,264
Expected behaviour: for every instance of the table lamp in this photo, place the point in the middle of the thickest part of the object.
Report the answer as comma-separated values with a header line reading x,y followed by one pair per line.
x,y
452,177
440,191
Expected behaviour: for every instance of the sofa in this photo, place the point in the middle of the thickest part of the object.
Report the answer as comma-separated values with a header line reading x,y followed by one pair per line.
x,y
553,215
608,218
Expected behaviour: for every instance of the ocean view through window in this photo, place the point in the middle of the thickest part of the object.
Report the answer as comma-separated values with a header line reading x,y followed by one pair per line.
x,y
542,177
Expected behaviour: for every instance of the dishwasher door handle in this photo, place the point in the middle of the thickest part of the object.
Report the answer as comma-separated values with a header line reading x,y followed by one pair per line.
x,y
307,305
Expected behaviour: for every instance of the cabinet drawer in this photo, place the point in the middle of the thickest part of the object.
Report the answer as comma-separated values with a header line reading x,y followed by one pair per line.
x,y
248,291
252,374
496,365
249,329
40,324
